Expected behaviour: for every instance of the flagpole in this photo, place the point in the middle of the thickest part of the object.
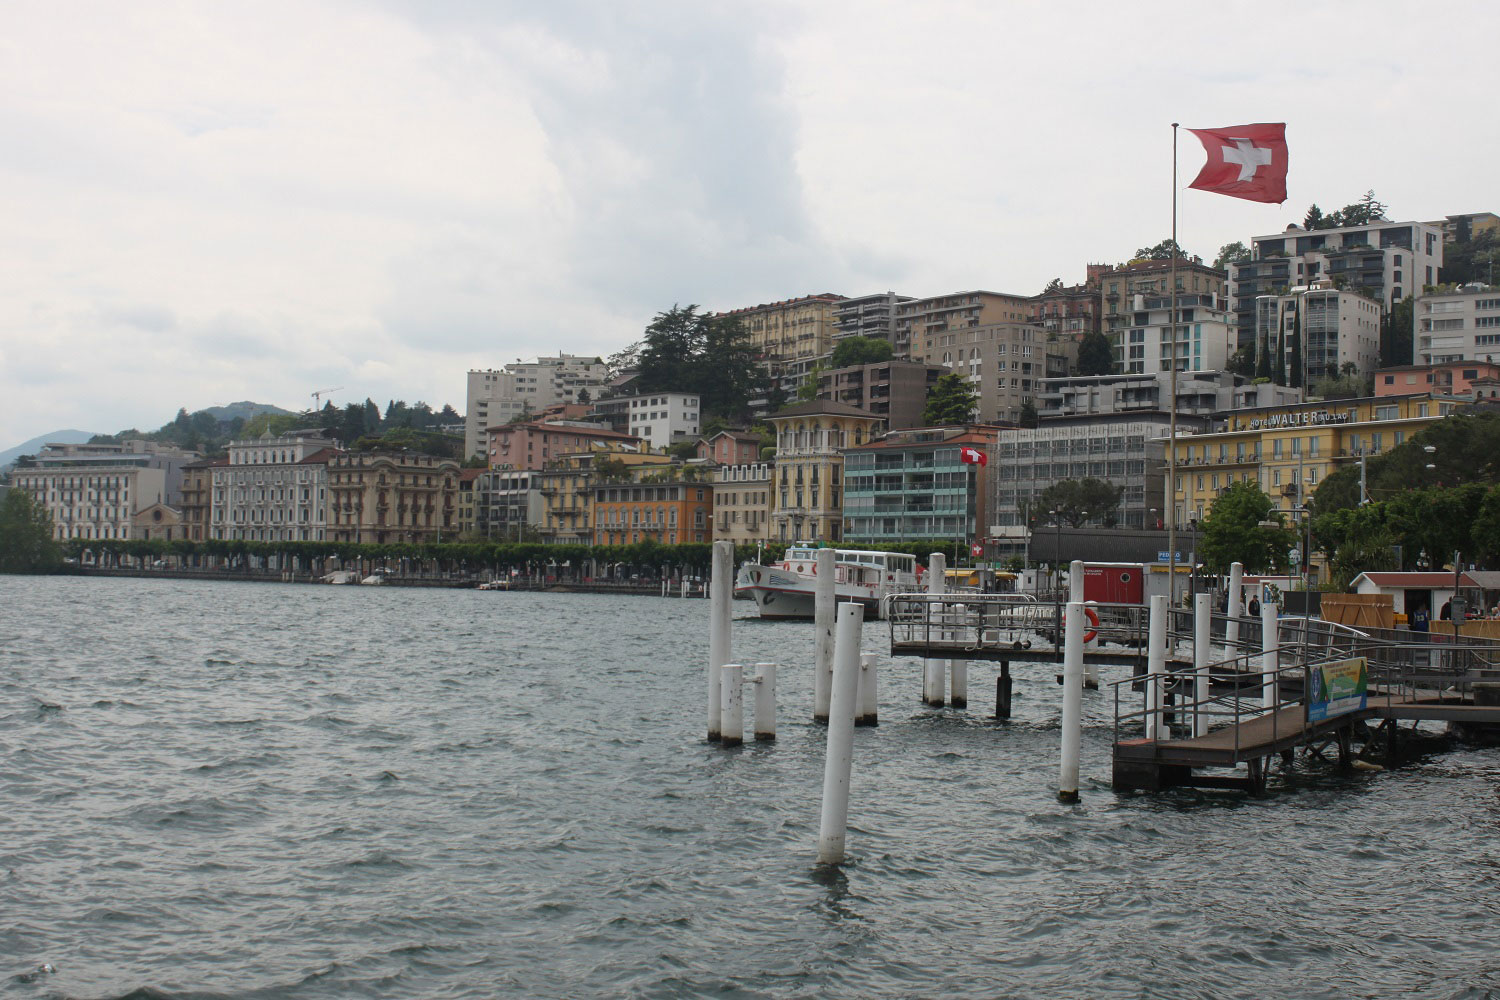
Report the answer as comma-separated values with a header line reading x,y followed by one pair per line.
x,y
1171,501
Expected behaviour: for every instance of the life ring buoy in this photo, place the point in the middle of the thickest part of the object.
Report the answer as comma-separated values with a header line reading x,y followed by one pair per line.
x,y
1093,617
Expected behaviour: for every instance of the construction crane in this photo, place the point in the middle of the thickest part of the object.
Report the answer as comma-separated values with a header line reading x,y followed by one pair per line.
x,y
318,395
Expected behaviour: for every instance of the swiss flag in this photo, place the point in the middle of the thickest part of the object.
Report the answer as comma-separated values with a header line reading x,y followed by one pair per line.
x,y
1244,161
976,549
973,456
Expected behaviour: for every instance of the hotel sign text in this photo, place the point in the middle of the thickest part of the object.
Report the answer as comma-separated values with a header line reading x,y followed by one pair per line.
x,y
1302,419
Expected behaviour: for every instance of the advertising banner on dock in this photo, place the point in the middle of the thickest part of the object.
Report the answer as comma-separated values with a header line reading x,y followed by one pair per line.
x,y
1336,688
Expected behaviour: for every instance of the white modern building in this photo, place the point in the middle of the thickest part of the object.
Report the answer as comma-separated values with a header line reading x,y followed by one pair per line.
x,y
1143,344
662,419
1387,261
1200,395
1458,325
496,396
1337,327
273,489
95,490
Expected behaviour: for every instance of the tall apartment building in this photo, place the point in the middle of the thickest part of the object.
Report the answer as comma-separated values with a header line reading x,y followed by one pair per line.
x,y
1069,312
919,321
95,490
1004,363
507,502
894,390
868,316
1465,226
1386,260
1458,325
1337,327
791,330
382,498
662,419
742,502
913,483
809,479
496,396
1200,395
1136,300
273,489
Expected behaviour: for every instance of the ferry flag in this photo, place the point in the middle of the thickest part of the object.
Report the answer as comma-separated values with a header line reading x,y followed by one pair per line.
x,y
1244,161
973,456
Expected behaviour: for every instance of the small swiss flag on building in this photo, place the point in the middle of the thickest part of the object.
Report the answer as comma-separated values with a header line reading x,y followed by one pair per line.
x,y
1244,161
973,456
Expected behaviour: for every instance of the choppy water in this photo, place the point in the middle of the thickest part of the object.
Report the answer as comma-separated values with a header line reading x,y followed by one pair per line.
x,y
262,791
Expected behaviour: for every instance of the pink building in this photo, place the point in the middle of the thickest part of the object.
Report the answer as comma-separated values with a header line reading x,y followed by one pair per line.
x,y
532,444
1446,378
730,448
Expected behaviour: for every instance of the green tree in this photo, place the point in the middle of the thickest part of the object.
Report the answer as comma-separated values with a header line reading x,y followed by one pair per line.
x,y
860,351
808,390
1078,501
1028,417
1242,362
1314,219
951,400
1055,285
26,544
1162,251
1470,258
1095,356
688,351
1396,334
1231,253
1232,531
584,397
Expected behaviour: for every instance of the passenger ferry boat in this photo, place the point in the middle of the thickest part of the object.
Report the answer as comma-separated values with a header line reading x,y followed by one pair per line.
x,y
788,589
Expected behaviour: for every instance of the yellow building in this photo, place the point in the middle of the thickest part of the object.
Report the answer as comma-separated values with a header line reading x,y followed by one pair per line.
x,y
791,329
742,502
1290,449
807,483
567,488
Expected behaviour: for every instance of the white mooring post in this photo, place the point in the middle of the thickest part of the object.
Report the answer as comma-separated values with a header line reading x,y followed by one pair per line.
x,y
732,704
1203,619
839,759
1270,657
721,583
1236,594
1075,581
1072,706
824,609
684,588
664,586
958,695
1156,666
765,701
933,670
867,710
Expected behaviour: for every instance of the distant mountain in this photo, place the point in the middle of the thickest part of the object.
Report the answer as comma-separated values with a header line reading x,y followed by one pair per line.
x,y
35,444
245,409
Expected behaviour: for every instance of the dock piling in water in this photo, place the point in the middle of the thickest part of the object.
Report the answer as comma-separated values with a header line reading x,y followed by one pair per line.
x,y
825,606
732,704
868,711
1235,606
1270,656
959,669
1203,619
933,680
765,701
721,587
1156,665
1072,706
839,759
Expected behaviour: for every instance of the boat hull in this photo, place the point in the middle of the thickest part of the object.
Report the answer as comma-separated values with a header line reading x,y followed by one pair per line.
x,y
779,594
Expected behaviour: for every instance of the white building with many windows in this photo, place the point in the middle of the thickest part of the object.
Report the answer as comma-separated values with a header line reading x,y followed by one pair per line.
x,y
95,490
662,419
1337,327
1459,325
273,489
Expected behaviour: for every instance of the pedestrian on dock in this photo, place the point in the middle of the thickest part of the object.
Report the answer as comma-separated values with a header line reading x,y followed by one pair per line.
x,y
1254,606
1418,621
1446,614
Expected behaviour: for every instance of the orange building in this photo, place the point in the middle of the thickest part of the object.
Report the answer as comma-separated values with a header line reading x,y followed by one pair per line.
x,y
670,506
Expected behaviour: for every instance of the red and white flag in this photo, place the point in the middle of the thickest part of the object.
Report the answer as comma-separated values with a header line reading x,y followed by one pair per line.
x,y
1244,161
976,549
973,456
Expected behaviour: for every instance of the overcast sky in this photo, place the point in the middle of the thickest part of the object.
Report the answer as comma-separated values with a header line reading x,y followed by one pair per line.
x,y
204,203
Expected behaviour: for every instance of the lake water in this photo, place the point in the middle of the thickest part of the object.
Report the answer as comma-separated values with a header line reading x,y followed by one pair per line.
x,y
220,790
